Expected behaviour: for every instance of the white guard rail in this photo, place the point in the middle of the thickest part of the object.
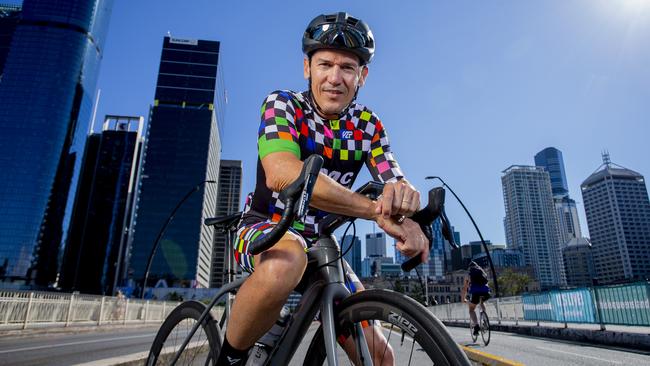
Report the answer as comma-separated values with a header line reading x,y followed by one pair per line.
x,y
26,309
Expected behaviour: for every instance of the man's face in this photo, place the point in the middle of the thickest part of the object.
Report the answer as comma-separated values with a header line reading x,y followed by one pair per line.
x,y
335,76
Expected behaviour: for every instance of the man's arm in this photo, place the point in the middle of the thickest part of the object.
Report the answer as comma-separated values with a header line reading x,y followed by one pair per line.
x,y
282,168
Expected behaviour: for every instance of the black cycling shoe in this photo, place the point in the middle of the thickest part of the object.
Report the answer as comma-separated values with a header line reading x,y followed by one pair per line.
x,y
476,330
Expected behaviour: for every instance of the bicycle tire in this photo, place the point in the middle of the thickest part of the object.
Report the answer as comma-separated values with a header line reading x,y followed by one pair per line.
x,y
471,332
485,328
205,344
394,310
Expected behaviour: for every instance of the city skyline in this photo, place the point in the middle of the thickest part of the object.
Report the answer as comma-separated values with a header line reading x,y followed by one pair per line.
x,y
482,71
446,84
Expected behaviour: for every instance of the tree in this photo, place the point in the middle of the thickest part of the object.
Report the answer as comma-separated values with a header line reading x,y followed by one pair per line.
x,y
416,292
398,286
512,283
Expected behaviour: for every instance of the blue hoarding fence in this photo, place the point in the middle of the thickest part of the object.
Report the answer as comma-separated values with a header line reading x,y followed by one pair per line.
x,y
620,304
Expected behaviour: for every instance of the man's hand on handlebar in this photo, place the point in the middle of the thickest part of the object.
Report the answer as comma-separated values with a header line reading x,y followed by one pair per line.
x,y
399,198
410,239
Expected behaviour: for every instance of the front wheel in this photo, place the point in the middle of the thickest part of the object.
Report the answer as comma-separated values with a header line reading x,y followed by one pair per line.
x,y
202,348
415,336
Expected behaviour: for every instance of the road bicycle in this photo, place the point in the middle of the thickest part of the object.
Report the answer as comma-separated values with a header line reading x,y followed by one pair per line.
x,y
484,325
192,336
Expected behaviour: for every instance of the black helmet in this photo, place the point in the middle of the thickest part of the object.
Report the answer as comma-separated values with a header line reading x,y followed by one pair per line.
x,y
339,31
473,264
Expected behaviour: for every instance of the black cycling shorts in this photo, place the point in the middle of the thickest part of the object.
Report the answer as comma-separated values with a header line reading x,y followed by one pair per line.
x,y
476,298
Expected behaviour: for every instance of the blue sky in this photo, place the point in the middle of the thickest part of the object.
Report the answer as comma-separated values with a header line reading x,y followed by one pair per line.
x,y
465,88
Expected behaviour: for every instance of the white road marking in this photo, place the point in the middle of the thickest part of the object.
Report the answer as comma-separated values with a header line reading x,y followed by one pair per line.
x,y
579,355
74,343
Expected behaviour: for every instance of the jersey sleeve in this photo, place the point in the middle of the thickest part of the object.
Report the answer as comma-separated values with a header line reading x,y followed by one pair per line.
x,y
381,162
277,130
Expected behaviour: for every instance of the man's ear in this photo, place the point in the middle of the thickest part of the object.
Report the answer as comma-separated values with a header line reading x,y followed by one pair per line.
x,y
305,66
364,75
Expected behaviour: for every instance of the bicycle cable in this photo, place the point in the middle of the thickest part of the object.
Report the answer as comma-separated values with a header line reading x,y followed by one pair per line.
x,y
343,253
424,294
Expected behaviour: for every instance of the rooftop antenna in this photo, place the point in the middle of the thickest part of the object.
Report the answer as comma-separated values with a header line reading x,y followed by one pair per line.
x,y
606,159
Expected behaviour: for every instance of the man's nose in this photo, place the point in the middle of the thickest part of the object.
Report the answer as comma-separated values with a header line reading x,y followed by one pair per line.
x,y
335,75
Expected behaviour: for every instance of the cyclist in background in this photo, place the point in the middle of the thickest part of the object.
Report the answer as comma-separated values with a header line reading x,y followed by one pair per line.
x,y
323,120
476,282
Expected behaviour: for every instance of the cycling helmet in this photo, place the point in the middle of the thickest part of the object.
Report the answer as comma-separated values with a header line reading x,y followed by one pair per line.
x,y
339,31
473,264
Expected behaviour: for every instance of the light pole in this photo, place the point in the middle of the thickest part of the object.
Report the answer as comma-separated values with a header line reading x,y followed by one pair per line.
x,y
164,227
487,252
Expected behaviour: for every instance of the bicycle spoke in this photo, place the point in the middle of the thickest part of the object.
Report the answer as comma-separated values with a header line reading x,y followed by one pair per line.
x,y
387,343
411,354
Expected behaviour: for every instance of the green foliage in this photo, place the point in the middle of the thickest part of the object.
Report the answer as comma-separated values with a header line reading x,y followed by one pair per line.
x,y
398,286
512,283
417,292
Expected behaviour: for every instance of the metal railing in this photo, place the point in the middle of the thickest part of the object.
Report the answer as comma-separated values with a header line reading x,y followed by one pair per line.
x,y
26,309
627,304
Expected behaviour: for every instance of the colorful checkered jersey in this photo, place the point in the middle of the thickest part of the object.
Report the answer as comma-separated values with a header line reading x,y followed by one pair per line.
x,y
289,123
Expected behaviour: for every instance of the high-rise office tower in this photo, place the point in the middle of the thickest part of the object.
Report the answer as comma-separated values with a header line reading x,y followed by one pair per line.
x,y
9,16
462,256
551,159
353,256
376,244
568,223
531,222
618,217
436,267
180,168
47,92
96,242
579,263
228,198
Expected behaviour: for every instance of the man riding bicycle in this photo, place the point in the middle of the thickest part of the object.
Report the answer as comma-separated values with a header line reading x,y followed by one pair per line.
x,y
323,120
477,283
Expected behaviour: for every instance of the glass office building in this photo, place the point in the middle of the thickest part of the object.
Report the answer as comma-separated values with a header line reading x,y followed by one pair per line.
x,y
228,198
9,16
95,245
353,256
551,159
182,153
47,90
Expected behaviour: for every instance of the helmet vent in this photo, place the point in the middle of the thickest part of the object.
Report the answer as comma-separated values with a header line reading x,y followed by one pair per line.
x,y
352,21
330,18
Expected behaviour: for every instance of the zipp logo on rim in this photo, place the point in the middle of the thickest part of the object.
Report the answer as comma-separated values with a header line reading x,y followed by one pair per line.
x,y
402,323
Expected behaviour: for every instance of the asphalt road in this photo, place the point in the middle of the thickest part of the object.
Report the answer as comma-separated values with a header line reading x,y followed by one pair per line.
x,y
74,348
543,351
89,347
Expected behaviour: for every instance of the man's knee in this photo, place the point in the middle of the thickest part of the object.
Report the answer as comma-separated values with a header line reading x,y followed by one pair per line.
x,y
282,265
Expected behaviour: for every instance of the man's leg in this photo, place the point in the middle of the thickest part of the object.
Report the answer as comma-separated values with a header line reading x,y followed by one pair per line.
x,y
472,313
260,299
381,351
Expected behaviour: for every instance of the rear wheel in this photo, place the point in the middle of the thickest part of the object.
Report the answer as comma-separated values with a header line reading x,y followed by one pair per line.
x,y
485,328
415,336
202,348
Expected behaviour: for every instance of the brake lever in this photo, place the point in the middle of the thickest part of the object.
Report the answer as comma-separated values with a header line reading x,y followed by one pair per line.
x,y
425,218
